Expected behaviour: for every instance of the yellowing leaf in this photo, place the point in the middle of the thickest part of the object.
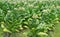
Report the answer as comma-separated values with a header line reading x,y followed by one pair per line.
x,y
6,30
25,22
17,30
35,16
2,25
42,33
25,26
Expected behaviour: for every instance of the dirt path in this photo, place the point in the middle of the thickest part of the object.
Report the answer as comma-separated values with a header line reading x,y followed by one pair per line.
x,y
57,31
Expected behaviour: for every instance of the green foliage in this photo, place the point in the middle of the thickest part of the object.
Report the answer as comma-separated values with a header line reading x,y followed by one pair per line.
x,y
38,17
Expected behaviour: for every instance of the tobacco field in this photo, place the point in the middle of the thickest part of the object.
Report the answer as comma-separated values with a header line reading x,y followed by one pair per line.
x,y
30,19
